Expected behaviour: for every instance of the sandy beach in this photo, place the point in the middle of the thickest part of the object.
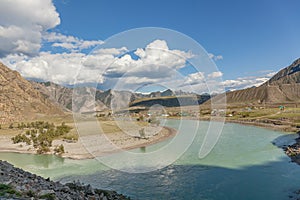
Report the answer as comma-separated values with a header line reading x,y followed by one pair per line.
x,y
87,147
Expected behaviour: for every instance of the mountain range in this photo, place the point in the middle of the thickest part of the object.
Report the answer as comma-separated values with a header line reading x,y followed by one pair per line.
x,y
22,99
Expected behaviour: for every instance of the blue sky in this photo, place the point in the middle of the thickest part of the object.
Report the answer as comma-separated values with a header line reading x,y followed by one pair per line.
x,y
253,39
251,36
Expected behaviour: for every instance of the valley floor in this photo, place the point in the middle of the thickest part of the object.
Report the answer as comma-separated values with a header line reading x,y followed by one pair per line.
x,y
93,145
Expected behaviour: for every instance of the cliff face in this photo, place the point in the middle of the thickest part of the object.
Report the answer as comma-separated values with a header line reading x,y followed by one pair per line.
x,y
19,100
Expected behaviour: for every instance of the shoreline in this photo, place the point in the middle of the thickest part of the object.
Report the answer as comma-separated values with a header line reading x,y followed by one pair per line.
x,y
77,151
19,184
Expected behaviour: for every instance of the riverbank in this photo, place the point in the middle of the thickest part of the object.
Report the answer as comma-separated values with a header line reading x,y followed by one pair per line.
x,y
16,183
292,151
285,125
77,150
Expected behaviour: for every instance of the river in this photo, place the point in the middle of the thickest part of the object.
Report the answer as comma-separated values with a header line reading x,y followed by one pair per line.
x,y
244,164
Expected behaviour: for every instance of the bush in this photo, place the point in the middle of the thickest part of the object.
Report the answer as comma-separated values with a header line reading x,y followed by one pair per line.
x,y
21,138
43,149
59,149
48,196
41,134
7,189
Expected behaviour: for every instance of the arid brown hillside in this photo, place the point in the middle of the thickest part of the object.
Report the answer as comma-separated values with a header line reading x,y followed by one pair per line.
x,y
283,87
19,100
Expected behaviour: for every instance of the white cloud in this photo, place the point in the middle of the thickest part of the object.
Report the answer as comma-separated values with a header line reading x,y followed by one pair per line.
x,y
246,82
59,68
155,60
69,42
154,65
22,24
195,78
215,75
215,57
112,51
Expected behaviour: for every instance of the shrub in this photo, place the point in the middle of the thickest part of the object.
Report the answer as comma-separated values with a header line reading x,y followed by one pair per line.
x,y
7,189
48,196
59,149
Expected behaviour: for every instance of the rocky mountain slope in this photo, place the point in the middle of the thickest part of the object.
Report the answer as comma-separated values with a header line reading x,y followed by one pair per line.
x,y
288,75
283,87
61,95
19,100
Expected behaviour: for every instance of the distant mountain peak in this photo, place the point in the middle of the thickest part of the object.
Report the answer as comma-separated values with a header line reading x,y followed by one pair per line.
x,y
283,87
288,75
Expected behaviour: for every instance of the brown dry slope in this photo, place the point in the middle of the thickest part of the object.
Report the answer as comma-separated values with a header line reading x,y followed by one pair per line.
x,y
19,100
283,87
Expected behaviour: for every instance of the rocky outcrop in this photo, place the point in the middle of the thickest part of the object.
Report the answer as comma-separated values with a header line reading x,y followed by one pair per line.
x,y
18,184
19,100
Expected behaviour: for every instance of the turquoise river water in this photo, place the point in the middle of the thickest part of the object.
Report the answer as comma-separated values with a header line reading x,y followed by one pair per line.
x,y
246,163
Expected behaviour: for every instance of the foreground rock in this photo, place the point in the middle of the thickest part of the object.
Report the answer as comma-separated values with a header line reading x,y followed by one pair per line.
x,y
16,183
293,151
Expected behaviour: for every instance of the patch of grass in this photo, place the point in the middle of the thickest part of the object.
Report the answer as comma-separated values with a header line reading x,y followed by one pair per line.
x,y
30,193
7,189
47,196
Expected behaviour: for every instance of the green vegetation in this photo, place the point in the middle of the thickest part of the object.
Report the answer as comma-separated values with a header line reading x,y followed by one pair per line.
x,y
41,134
21,138
30,193
59,149
47,196
7,189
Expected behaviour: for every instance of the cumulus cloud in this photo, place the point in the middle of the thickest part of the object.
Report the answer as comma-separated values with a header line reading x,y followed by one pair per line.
x,y
60,68
22,24
155,63
195,78
156,58
69,42
215,75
